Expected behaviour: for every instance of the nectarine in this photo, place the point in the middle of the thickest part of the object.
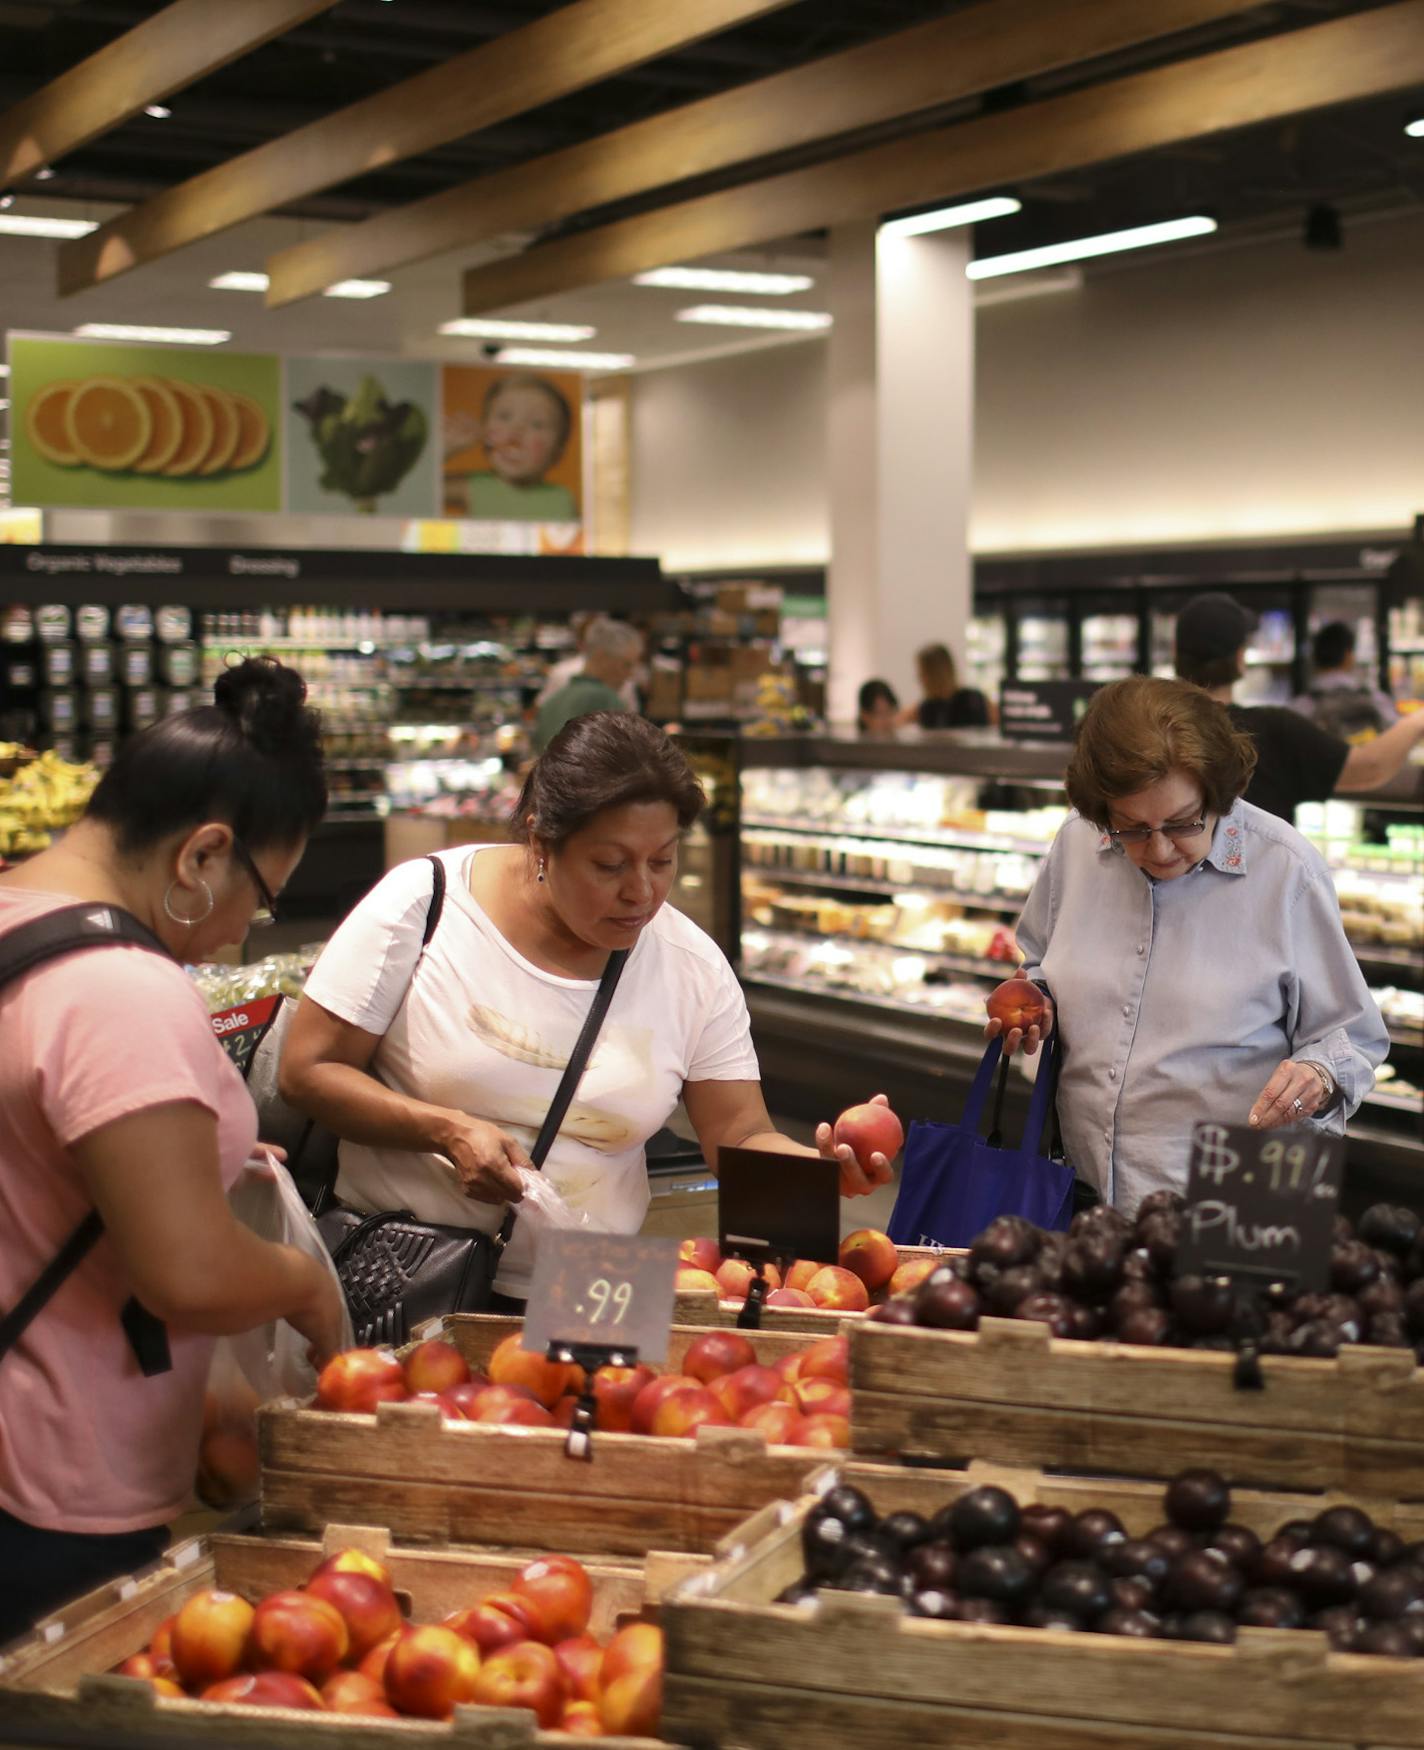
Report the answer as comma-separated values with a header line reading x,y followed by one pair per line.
x,y
525,1675
354,1561
827,1359
646,1404
775,1422
638,1647
615,1390
701,1254
300,1632
265,1689
828,1431
838,1290
580,1720
716,1353
350,1692
581,1661
562,1593
429,1671
746,1388
912,1273
683,1412
508,1405
689,1281
631,1705
359,1379
368,1608
789,1297
511,1365
435,1366
871,1255
870,1130
210,1636
1018,1003
735,1278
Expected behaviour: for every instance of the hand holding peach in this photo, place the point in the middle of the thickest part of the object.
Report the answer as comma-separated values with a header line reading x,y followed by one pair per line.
x,y
863,1142
1021,1013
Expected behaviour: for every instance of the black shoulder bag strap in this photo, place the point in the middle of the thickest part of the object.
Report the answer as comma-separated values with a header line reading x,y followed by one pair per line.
x,y
572,1076
69,929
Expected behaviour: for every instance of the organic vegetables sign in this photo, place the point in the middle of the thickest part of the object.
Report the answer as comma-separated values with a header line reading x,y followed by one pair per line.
x,y
360,436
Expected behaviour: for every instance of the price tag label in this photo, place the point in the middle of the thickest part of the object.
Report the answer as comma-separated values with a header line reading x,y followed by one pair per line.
x,y
773,1206
240,1030
1261,1205
608,1290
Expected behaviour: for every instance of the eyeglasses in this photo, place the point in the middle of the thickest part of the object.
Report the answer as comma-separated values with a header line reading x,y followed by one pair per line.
x,y
1176,830
266,913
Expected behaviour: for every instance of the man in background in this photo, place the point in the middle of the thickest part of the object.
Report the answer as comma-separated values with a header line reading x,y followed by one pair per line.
x,y
563,671
612,651
1296,760
1339,698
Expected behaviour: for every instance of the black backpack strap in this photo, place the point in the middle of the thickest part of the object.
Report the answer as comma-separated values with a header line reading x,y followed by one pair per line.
x,y
69,929
437,901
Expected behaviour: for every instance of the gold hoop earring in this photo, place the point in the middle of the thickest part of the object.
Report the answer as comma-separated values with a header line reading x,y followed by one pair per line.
x,y
177,916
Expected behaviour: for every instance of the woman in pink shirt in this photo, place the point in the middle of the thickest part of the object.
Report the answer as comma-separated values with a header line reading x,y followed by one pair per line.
x,y
115,1096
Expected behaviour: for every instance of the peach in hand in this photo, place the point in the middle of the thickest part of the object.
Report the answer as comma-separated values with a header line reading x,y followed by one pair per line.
x,y
868,1130
1018,1003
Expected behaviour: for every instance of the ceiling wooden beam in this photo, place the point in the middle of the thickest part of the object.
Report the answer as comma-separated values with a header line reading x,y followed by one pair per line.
x,y
176,47
1359,56
931,64
566,50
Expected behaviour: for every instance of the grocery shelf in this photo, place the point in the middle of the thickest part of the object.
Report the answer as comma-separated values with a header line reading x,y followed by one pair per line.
x,y
962,963
1394,1102
1411,1041
899,1005
948,837
869,884
1393,959
450,683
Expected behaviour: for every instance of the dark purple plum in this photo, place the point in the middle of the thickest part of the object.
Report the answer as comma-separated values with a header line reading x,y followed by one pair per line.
x,y
1198,1500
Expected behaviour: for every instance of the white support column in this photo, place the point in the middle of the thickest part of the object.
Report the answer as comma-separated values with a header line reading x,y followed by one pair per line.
x,y
901,426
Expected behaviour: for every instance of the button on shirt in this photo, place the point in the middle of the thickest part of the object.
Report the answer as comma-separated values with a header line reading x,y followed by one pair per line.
x,y
1176,1000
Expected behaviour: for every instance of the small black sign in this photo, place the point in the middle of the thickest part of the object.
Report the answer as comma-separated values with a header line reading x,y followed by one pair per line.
x,y
1261,1205
772,1206
603,1291
1043,710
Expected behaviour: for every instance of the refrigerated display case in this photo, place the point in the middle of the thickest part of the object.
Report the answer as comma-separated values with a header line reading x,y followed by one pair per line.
x,y
878,899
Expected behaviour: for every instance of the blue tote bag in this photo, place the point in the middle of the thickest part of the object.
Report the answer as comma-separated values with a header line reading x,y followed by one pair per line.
x,y
953,1182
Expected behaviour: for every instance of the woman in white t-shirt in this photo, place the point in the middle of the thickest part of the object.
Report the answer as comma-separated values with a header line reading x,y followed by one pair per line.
x,y
437,1069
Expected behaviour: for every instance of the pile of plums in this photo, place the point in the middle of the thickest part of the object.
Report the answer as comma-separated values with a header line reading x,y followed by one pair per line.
x,y
1114,1278
1198,1577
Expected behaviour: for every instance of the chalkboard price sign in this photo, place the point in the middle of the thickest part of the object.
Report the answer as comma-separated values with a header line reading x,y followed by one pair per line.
x,y
602,1291
1261,1205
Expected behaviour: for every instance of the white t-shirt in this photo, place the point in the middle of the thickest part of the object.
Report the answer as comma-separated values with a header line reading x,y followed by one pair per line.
x,y
481,1029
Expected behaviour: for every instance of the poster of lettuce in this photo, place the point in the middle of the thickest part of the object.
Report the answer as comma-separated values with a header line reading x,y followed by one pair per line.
x,y
362,437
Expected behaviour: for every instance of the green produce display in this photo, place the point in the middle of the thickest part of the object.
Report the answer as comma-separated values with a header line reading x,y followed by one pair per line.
x,y
367,444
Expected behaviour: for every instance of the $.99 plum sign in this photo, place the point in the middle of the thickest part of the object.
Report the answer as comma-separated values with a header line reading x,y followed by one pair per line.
x,y
1261,1205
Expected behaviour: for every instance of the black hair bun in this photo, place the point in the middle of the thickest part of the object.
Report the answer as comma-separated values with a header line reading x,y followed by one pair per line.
x,y
267,702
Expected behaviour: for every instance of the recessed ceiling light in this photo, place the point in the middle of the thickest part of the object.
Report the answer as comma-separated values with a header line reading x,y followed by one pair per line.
x,y
494,328
159,111
26,225
716,279
44,174
750,316
948,218
137,331
1084,248
358,289
570,361
1415,129
238,281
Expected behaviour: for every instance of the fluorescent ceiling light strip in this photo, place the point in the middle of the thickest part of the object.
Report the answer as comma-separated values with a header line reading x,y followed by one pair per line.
x,y
948,218
718,279
26,225
751,316
358,289
496,328
1038,285
1084,248
1415,129
137,331
568,361
239,281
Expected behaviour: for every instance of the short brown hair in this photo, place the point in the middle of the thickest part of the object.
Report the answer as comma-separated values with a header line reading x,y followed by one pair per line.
x,y
604,759
937,671
1137,730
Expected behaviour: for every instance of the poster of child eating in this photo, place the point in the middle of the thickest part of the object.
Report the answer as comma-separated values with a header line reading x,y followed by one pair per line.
x,y
512,445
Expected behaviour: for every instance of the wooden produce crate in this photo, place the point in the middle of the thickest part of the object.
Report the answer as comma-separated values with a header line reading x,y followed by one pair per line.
x,y
471,1483
1010,1390
478,1335
702,1307
54,1688
744,1671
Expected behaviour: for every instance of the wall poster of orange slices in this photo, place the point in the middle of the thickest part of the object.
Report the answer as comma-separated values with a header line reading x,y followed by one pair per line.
x,y
144,427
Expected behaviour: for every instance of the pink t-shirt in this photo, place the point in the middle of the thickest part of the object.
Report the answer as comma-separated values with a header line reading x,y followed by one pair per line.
x,y
87,1444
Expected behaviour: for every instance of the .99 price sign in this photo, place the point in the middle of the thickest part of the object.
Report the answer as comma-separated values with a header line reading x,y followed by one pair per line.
x,y
613,1290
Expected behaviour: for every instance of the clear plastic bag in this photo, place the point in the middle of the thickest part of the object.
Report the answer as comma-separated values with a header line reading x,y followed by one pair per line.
x,y
253,1367
543,1207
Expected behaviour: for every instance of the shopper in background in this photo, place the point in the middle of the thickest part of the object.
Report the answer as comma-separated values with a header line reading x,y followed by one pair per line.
x,y
611,652
1339,699
946,705
1295,760
1192,947
115,1096
877,710
563,671
437,1070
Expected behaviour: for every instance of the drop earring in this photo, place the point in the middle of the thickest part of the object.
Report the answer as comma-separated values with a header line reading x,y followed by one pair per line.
x,y
540,875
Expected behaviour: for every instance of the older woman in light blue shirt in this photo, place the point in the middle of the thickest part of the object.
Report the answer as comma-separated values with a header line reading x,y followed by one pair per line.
x,y
1192,948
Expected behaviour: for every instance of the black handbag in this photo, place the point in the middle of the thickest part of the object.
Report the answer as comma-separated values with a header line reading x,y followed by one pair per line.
x,y
398,1271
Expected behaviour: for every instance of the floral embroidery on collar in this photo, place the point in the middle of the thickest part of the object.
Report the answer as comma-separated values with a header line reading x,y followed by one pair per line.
x,y
1228,847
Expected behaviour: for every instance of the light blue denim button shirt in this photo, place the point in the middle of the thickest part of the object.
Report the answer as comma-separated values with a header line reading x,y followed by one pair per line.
x,y
1177,999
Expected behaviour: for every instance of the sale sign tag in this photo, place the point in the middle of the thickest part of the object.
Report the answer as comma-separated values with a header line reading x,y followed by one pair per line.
x,y
603,1291
1261,1205
240,1030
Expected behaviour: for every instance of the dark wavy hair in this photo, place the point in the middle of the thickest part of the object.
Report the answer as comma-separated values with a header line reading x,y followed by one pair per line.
x,y
1137,730
251,759
605,759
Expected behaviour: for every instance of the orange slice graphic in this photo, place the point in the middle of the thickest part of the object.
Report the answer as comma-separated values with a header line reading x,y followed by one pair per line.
x,y
167,417
197,436
227,428
254,432
108,423
44,423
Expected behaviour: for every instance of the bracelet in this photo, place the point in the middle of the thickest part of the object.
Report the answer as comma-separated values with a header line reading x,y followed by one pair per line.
x,y
1327,1082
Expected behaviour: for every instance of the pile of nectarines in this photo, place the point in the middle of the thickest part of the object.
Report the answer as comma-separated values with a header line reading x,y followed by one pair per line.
x,y
803,1400
340,1644
867,1271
